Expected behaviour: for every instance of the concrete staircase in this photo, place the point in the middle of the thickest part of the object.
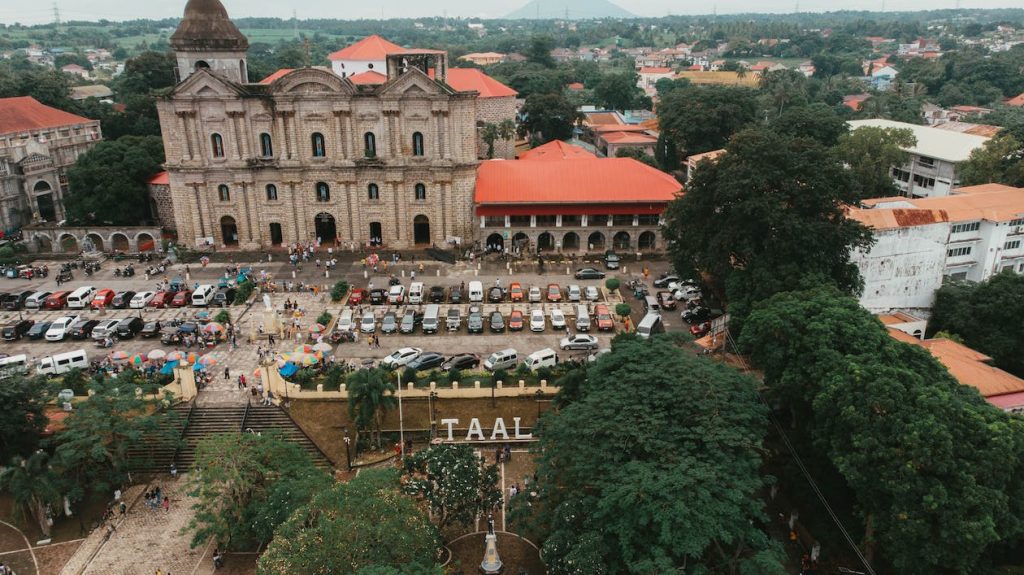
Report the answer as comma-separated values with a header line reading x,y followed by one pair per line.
x,y
155,453
204,422
271,418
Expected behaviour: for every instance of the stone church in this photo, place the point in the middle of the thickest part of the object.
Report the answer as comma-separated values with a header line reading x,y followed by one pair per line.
x,y
310,155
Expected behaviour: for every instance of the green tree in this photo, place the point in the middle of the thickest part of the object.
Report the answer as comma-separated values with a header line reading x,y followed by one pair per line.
x,y
539,51
987,315
668,476
146,73
454,481
619,91
783,87
1000,160
871,153
666,154
637,154
371,527
550,116
22,415
491,133
745,219
817,120
108,183
246,485
33,486
703,118
370,395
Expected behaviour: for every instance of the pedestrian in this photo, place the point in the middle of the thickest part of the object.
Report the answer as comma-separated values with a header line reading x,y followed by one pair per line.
x,y
239,382
117,495
167,504
508,453
174,470
123,507
227,373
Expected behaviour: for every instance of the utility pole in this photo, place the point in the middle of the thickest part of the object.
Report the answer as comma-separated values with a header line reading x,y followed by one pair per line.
x,y
295,23
56,16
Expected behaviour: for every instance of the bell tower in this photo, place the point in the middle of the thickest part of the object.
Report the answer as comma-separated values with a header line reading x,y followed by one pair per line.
x,y
207,38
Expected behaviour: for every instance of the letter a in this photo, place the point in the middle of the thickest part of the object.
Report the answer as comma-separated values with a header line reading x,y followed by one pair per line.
x,y
499,427
474,428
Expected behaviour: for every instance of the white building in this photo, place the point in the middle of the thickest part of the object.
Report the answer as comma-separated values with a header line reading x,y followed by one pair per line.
x,y
931,169
974,233
370,53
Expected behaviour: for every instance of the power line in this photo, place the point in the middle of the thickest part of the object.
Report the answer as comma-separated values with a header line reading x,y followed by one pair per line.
x,y
799,462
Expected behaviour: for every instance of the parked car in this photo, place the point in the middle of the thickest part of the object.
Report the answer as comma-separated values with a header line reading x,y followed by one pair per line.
x,y
534,295
665,279
554,292
129,327
455,294
401,357
461,362
82,329
37,300
666,300
410,320
396,294
701,329
61,328
15,301
515,292
591,293
579,341
141,299
122,299
426,360
378,296
368,324
604,318
495,295
38,330
224,296
107,327
102,299
515,321
687,293
589,274
497,322
611,260
57,300
475,321
537,321
16,329
151,329
574,293
181,298
436,294
557,319
160,299
389,323
357,296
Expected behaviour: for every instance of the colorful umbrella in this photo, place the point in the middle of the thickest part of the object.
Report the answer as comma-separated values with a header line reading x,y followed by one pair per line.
x,y
157,354
304,348
317,328
191,357
119,356
138,359
203,314
176,356
308,359
322,346
207,361
213,327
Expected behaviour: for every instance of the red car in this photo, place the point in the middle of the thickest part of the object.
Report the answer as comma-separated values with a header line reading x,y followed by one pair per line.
x,y
181,298
515,292
515,321
357,296
554,292
161,299
701,329
604,319
57,300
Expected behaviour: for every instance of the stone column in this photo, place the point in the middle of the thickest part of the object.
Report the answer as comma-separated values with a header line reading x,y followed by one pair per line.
x,y
340,137
188,153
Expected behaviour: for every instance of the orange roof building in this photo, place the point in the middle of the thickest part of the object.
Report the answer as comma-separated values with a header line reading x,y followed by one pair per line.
x,y
473,80
24,114
556,150
370,49
1016,100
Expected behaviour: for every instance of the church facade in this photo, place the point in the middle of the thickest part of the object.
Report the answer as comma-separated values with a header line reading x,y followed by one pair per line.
x,y
312,155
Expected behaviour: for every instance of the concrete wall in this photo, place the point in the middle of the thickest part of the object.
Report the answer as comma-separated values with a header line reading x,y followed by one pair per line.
x,y
904,268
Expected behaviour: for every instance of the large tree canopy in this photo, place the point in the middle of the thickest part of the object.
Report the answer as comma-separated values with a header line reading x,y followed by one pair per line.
x,y
108,183
669,471
549,117
871,153
454,481
22,420
702,118
1000,160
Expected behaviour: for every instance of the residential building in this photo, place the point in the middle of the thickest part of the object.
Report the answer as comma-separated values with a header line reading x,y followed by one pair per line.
x,y
75,70
972,234
483,58
648,77
98,91
882,78
931,169
38,145
692,162
559,199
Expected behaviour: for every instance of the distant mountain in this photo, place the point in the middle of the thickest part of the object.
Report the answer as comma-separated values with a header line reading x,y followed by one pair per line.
x,y
575,9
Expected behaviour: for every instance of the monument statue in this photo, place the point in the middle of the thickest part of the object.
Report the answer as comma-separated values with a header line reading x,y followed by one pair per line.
x,y
491,565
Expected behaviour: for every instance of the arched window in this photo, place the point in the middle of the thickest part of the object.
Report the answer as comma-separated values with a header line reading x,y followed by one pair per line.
x,y
421,192
319,149
323,192
373,192
272,192
266,146
217,145
370,143
417,144
224,193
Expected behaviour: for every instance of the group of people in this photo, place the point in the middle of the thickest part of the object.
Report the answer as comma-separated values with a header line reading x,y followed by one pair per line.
x,y
155,499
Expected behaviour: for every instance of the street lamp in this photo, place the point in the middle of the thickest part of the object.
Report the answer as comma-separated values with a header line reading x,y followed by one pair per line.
x,y
348,454
540,396
431,398
401,420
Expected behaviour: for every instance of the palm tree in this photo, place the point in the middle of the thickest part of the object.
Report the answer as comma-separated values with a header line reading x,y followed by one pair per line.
x,y
33,486
370,395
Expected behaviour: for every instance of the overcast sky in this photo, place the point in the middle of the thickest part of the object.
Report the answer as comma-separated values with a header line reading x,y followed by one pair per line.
x,y
41,11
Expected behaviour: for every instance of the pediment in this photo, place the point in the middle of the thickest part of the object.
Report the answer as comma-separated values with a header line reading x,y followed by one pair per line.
x,y
305,81
414,84
204,84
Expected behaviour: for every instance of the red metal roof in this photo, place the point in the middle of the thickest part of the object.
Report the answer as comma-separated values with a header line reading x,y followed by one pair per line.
x,y
583,181
367,78
473,80
556,150
370,49
628,138
25,114
161,179
571,209
271,78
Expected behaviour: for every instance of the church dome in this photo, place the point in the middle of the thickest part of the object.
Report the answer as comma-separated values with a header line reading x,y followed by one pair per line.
x,y
205,27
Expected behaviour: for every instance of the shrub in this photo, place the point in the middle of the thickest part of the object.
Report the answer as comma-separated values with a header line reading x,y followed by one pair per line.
x,y
244,291
6,254
409,376
544,373
324,319
339,290
499,375
623,309
222,316
611,284
454,376
522,370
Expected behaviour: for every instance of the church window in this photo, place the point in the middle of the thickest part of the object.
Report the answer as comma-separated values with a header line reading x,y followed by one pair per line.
x,y
417,144
421,192
266,146
373,192
224,193
370,143
271,192
319,148
217,144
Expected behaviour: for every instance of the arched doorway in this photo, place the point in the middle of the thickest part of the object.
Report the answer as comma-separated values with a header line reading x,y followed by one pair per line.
x,y
495,243
276,235
44,201
119,243
647,241
571,241
228,231
421,230
145,242
95,241
621,241
520,241
376,234
326,228
595,241
68,244
546,242
43,243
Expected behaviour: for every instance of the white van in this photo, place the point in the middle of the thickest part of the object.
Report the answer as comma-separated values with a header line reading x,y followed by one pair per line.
x,y
416,293
13,365
81,297
650,325
63,363
396,294
431,317
505,359
582,318
651,305
543,358
203,295
345,320
35,301
476,292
